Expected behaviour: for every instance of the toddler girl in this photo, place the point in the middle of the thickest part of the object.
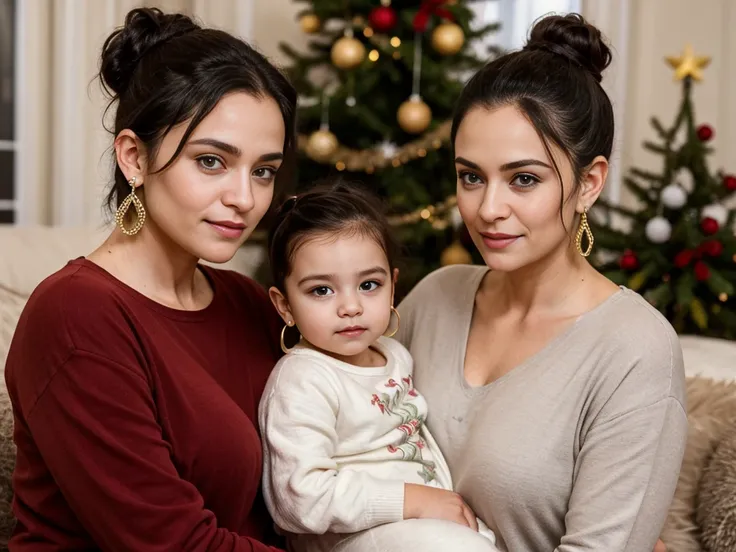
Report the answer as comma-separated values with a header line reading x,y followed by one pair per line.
x,y
346,449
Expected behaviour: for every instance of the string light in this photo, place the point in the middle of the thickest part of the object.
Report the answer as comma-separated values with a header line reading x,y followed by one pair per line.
x,y
373,55
396,42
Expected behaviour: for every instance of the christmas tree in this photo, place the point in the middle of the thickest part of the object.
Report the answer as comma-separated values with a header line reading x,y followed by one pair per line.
x,y
679,250
377,90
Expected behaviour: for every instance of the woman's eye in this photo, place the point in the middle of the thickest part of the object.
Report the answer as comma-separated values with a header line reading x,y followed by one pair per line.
x,y
369,286
265,173
210,162
525,180
321,291
469,178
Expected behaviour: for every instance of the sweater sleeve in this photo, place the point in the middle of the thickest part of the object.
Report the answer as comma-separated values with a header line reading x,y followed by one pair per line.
x,y
114,467
304,488
627,468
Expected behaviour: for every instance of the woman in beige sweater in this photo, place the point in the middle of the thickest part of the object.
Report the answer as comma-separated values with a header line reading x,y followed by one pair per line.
x,y
556,396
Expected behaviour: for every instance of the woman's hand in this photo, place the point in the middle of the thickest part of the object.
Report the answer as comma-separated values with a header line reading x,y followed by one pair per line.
x,y
425,502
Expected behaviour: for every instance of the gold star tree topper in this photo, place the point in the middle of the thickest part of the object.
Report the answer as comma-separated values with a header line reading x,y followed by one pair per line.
x,y
688,64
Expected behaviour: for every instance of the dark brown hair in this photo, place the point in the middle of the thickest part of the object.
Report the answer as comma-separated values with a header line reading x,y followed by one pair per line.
x,y
555,82
164,69
332,208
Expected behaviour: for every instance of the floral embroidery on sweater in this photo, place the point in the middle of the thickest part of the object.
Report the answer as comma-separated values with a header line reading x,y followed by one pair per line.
x,y
397,404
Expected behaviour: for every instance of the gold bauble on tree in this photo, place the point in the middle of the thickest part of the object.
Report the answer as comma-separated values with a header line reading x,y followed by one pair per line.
x,y
310,23
347,53
455,254
448,38
321,145
414,115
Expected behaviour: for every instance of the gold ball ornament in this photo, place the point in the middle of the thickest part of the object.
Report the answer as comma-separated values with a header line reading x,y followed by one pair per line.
x,y
347,53
310,23
455,254
414,115
321,145
448,38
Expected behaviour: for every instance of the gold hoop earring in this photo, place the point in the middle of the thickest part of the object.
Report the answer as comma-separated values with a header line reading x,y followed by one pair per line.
x,y
140,212
284,348
398,323
584,228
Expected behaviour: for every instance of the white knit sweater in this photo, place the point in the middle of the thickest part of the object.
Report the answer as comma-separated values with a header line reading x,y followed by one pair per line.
x,y
340,441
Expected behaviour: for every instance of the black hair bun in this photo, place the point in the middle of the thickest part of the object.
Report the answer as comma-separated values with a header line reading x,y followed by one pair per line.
x,y
144,29
574,38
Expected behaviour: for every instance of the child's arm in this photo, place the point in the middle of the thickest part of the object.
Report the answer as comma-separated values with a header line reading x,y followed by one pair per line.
x,y
303,488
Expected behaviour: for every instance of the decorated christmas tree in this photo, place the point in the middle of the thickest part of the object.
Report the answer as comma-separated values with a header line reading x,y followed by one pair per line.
x,y
678,247
377,89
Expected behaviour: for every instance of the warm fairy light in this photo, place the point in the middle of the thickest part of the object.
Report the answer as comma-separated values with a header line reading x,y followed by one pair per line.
x,y
425,214
397,55
421,152
723,297
367,32
340,166
373,56
396,42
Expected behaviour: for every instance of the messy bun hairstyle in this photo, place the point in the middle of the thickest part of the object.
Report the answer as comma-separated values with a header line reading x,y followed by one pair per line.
x,y
164,69
555,81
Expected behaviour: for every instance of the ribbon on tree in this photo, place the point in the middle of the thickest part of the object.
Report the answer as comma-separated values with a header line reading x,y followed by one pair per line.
x,y
427,10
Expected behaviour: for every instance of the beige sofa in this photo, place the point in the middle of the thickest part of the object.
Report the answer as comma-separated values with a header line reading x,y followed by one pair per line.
x,y
28,255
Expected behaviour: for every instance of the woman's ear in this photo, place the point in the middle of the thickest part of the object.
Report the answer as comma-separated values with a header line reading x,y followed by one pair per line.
x,y
593,182
282,305
130,155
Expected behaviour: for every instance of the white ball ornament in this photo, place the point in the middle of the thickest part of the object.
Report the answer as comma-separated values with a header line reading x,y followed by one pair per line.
x,y
674,197
658,230
456,218
717,212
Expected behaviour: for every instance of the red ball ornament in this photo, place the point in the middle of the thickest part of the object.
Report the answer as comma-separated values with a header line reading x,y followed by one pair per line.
x,y
712,248
705,133
628,261
729,182
709,226
382,18
683,258
702,272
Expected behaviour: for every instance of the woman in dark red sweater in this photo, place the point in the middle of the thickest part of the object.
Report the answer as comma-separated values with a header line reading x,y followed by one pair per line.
x,y
135,373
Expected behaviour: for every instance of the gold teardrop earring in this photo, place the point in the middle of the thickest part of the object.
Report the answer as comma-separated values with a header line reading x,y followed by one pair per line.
x,y
140,212
584,228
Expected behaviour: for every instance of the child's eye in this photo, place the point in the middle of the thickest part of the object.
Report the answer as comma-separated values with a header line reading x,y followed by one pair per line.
x,y
321,291
369,285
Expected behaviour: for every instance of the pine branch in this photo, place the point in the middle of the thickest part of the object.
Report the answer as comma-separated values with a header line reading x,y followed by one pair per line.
x,y
647,175
643,194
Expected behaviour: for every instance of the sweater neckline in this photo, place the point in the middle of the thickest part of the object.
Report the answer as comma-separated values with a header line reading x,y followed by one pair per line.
x,y
306,348
169,312
548,349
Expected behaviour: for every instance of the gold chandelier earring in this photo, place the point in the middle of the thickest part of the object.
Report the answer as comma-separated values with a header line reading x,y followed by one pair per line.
x,y
398,323
584,229
140,212
284,348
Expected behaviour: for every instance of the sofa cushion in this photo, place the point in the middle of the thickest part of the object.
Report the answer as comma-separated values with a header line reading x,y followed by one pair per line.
x,y
11,305
716,510
711,404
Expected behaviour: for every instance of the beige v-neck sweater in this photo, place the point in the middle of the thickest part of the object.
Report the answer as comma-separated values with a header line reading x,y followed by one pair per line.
x,y
580,446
